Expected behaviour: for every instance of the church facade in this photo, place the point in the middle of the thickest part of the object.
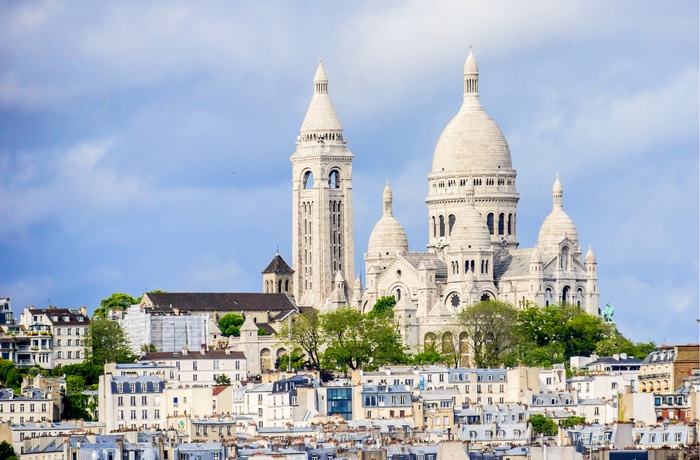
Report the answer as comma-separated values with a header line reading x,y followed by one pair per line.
x,y
472,252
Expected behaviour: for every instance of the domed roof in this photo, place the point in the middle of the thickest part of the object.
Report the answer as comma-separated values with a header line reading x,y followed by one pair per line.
x,y
472,141
321,115
470,230
388,236
557,225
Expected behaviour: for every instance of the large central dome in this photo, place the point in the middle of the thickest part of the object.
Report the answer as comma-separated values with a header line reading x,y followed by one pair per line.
x,y
472,142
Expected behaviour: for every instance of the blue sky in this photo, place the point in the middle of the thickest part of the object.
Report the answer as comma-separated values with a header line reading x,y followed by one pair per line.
x,y
146,146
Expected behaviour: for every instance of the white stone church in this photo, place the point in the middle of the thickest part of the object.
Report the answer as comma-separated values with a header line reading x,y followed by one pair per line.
x,y
472,251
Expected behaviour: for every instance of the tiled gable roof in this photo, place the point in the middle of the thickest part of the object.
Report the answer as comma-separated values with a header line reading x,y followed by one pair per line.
x,y
222,301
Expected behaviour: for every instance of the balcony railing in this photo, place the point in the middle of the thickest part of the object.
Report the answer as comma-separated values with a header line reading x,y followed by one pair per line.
x,y
663,375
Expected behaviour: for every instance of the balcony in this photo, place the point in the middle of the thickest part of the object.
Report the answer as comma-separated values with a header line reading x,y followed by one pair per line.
x,y
662,375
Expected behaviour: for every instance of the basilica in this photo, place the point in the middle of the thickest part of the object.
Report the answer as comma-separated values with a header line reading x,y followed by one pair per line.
x,y
472,252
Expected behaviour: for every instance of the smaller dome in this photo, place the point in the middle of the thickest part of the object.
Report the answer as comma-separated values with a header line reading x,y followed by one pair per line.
x,y
535,257
557,225
388,235
590,257
470,230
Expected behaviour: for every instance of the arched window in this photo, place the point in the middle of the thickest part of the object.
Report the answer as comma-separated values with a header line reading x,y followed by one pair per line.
x,y
547,297
308,180
466,266
489,222
485,296
501,223
334,179
565,294
564,258
398,295
451,219
442,225
434,227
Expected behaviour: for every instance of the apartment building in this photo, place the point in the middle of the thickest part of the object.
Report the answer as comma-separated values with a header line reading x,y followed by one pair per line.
x,y
202,367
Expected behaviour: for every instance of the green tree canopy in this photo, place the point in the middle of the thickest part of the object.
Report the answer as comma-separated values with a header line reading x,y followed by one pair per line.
x,y
356,341
10,376
223,379
384,307
572,421
230,324
297,361
306,335
543,425
554,333
7,452
492,332
117,301
105,342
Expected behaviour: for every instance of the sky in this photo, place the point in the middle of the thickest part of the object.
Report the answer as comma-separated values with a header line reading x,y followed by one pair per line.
x,y
146,145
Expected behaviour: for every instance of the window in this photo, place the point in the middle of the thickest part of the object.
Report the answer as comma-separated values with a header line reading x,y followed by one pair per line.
x,y
144,387
216,364
144,400
194,378
144,414
120,401
133,400
194,365
133,415
156,413
70,354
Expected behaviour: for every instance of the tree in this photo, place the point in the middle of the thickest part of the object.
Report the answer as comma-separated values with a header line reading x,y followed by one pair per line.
x,y
148,348
491,329
117,301
223,379
297,361
554,333
429,355
384,307
105,342
9,375
572,420
230,324
7,452
356,341
543,425
306,334
75,384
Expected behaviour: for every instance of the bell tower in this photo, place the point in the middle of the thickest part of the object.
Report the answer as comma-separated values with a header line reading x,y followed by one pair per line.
x,y
322,225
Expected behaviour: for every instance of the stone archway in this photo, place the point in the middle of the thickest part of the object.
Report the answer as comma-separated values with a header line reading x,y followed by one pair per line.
x,y
265,360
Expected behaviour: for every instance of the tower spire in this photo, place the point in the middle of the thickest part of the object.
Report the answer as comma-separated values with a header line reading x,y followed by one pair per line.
x,y
557,194
388,198
471,76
